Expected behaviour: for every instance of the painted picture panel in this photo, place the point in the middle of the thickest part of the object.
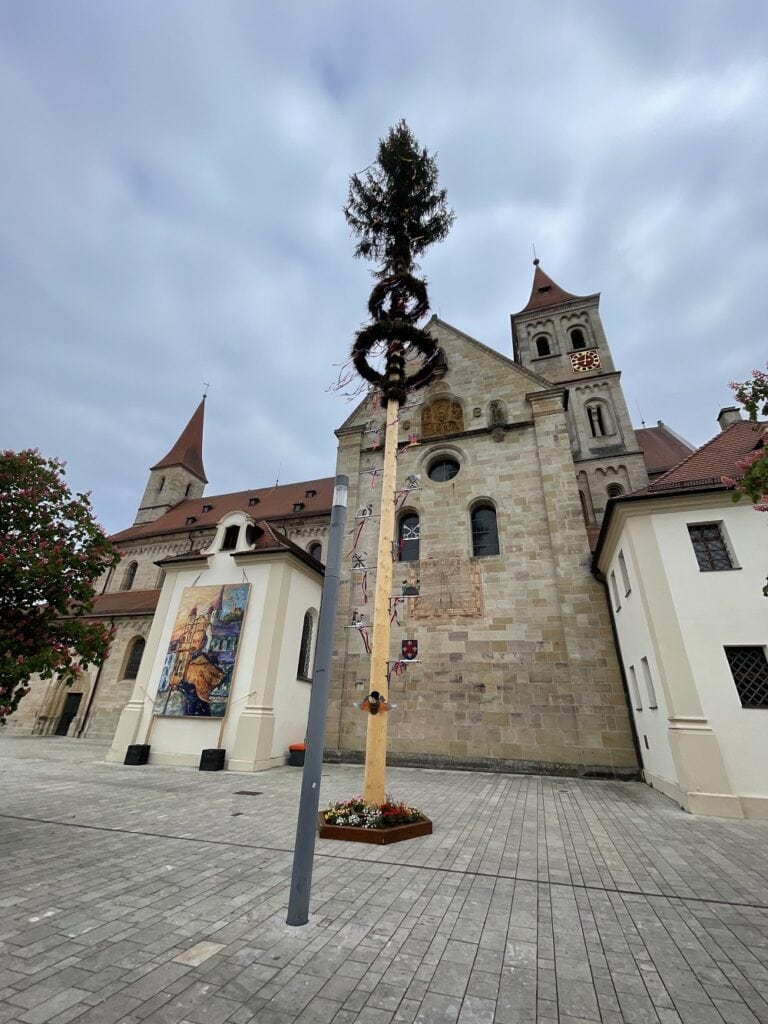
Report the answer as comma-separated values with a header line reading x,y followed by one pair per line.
x,y
200,661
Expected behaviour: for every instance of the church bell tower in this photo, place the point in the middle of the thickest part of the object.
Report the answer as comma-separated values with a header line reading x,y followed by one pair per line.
x,y
560,337
177,476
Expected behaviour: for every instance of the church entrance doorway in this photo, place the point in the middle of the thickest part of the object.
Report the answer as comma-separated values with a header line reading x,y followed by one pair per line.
x,y
71,704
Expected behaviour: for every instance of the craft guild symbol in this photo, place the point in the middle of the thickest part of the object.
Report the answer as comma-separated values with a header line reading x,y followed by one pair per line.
x,y
410,650
374,703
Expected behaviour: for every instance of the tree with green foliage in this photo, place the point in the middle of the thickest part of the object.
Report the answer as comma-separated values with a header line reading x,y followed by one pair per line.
x,y
395,207
753,481
51,553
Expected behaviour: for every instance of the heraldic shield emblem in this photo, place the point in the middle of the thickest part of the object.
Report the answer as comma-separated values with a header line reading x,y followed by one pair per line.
x,y
410,650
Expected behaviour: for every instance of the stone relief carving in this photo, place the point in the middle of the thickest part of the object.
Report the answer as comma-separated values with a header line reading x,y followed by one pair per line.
x,y
442,417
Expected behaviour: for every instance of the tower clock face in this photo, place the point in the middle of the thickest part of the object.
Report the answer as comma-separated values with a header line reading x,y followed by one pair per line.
x,y
589,359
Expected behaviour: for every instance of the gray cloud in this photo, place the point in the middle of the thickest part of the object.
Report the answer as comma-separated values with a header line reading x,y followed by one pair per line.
x,y
172,182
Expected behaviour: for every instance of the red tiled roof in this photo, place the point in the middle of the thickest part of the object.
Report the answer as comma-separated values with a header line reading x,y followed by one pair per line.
x,y
715,459
280,502
126,602
545,292
188,450
661,449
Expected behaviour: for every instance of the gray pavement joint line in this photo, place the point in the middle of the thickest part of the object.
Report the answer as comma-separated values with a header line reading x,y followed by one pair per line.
x,y
397,864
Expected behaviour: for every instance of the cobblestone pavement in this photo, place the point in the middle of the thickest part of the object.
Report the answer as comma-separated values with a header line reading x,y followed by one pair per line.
x,y
160,894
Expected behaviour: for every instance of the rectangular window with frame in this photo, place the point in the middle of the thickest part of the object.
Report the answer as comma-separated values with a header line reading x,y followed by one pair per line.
x,y
634,689
749,668
615,591
709,546
649,687
624,575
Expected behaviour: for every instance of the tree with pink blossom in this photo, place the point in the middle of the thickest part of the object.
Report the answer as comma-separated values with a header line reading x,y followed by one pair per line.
x,y
51,553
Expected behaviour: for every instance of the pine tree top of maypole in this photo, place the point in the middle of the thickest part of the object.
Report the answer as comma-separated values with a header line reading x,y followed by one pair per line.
x,y
397,211
395,207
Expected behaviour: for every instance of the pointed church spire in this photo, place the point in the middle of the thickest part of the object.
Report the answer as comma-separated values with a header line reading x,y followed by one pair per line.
x,y
545,292
188,450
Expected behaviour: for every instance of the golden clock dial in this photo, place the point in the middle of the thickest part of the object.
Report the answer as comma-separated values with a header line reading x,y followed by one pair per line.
x,y
588,359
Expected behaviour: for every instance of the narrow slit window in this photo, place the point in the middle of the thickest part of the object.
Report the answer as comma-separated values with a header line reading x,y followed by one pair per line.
x,y
615,592
624,574
635,689
650,689
305,648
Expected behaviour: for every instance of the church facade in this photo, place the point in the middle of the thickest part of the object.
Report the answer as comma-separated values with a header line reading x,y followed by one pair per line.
x,y
505,468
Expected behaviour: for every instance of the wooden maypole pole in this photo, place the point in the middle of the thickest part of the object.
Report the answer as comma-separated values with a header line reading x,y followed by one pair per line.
x,y
397,213
374,786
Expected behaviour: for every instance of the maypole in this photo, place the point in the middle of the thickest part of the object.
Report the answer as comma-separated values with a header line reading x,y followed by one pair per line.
x,y
397,212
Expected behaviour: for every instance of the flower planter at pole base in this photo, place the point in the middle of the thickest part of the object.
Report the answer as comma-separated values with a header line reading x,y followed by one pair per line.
x,y
379,836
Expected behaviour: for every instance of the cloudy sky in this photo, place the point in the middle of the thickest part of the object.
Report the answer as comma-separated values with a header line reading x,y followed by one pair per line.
x,y
172,174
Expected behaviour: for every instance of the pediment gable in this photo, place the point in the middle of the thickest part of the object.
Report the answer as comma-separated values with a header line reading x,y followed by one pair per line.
x,y
475,375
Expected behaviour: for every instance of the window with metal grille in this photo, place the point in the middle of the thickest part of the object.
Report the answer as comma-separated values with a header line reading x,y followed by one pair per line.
x,y
485,535
749,668
306,648
134,658
709,546
408,538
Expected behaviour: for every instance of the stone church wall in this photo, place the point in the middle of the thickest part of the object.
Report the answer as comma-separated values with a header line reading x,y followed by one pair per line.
x,y
517,666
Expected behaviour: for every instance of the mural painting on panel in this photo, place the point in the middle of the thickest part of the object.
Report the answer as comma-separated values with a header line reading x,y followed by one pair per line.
x,y
198,667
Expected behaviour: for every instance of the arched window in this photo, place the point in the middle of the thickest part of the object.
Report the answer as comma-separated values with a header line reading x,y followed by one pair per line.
x,y
614,490
485,535
161,485
598,420
306,648
130,575
542,345
408,537
135,653
231,535
577,338
316,551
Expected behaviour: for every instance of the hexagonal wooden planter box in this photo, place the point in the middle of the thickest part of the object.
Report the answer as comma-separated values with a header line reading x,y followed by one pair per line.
x,y
379,836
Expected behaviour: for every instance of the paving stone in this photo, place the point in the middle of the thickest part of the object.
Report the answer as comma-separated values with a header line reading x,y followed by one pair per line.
x,y
567,901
